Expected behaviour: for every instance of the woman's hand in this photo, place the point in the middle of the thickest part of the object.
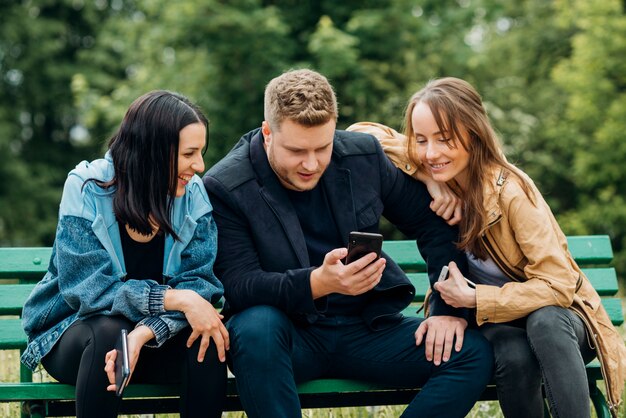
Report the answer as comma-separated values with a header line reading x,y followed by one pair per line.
x,y
204,320
455,291
137,338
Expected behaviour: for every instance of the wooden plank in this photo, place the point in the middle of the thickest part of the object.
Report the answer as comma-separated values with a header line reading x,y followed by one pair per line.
x,y
28,263
603,279
24,263
612,305
13,297
12,335
590,249
586,250
53,391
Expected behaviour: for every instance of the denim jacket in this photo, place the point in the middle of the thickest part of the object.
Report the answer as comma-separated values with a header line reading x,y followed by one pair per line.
x,y
86,273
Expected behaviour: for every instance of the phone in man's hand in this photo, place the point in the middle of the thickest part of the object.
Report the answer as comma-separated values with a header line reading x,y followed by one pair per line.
x,y
363,243
122,363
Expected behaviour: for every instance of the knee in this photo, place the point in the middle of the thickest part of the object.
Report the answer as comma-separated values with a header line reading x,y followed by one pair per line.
x,y
478,350
259,332
105,330
548,325
514,357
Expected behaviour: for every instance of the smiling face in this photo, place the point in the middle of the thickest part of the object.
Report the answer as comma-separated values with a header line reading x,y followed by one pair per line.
x,y
192,139
299,154
442,154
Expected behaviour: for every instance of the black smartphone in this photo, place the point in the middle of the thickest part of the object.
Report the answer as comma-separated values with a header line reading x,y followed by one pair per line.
x,y
122,363
363,243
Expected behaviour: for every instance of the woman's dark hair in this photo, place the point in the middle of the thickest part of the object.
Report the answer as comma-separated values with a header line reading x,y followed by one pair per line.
x,y
145,158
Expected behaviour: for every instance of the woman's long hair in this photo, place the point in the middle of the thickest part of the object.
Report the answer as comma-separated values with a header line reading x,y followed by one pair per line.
x,y
145,159
458,110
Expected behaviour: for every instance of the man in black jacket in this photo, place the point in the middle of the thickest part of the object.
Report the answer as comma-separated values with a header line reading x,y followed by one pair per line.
x,y
285,199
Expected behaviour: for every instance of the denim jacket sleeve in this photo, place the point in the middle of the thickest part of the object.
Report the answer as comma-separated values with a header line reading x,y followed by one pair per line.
x,y
87,282
196,273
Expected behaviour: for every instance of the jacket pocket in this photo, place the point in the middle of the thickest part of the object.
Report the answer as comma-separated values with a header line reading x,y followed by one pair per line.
x,y
369,214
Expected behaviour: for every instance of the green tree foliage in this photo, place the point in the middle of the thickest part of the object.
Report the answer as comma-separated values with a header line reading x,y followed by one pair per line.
x,y
219,54
39,41
594,76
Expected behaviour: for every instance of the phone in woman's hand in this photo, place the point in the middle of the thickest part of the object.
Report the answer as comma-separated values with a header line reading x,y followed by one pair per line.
x,y
122,363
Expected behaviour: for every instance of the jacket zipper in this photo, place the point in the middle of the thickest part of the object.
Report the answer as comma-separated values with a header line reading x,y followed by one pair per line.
x,y
611,401
505,269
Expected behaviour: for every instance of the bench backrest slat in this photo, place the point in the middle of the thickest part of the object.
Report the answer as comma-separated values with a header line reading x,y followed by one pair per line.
x,y
31,263
586,250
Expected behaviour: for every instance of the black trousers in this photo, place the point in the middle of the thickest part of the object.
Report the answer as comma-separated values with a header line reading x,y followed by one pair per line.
x,y
78,359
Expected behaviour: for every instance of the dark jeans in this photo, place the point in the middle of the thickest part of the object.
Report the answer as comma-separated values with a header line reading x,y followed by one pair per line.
x,y
270,354
550,343
78,359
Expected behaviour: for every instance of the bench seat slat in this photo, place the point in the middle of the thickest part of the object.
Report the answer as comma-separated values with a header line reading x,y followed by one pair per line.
x,y
50,391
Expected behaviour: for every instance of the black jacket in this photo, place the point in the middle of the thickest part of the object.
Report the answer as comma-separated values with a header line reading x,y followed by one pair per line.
x,y
262,256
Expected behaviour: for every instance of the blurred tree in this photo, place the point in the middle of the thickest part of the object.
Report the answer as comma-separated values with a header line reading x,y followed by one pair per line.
x,y
218,54
39,41
594,76
518,44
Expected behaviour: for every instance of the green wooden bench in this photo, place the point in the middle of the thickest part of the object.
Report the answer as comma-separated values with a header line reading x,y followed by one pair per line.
x,y
20,268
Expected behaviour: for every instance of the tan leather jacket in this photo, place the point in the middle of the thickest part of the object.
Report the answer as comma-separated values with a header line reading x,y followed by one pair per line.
x,y
525,240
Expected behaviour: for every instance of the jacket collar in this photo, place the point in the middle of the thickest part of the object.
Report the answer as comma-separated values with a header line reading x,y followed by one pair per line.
x,y
495,180
338,188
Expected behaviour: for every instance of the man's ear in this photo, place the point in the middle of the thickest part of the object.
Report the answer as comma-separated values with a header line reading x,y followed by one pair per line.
x,y
266,131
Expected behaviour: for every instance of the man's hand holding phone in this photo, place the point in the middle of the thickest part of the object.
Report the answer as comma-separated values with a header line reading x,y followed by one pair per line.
x,y
362,243
353,278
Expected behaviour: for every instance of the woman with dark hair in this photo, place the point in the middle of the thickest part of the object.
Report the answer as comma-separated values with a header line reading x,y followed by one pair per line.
x,y
134,249
531,300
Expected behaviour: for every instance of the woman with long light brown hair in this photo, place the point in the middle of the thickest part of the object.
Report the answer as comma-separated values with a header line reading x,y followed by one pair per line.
x,y
531,300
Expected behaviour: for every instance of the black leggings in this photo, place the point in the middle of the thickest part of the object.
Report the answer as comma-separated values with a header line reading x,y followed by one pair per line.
x,y
78,359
